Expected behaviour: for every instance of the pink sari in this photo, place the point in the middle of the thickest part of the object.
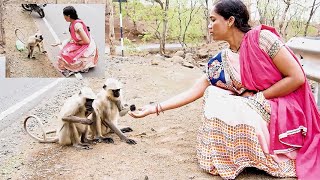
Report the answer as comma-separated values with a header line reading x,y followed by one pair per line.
x,y
294,121
71,52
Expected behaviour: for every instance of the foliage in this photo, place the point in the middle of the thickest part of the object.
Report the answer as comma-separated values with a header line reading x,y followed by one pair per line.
x,y
151,15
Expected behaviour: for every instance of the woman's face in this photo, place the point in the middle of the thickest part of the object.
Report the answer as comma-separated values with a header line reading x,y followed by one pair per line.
x,y
218,27
67,18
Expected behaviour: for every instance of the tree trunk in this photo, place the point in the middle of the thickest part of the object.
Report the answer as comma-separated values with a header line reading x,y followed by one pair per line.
x,y
2,39
164,25
109,11
208,36
283,18
313,9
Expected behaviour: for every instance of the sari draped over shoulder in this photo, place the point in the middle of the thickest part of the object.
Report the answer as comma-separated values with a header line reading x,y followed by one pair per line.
x,y
294,121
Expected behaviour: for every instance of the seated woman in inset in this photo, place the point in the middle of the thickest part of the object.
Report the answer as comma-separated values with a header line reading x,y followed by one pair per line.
x,y
80,52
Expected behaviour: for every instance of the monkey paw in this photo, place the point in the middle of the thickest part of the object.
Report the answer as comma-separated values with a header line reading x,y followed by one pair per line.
x,y
44,52
125,130
108,140
82,146
131,141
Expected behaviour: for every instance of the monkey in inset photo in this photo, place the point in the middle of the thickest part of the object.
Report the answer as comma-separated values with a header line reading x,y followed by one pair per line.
x,y
35,40
108,108
73,122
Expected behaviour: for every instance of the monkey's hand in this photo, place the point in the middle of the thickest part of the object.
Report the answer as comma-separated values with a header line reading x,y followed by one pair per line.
x,y
44,52
144,111
130,141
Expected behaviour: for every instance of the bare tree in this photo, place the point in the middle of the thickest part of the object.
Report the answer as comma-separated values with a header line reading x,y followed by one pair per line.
x,y
2,40
206,14
184,22
283,16
314,7
263,11
109,14
288,23
164,7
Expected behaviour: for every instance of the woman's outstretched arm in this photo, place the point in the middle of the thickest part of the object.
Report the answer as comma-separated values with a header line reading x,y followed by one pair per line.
x,y
188,96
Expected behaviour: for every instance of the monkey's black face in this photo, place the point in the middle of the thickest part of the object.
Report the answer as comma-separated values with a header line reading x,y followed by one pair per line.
x,y
88,106
39,37
116,93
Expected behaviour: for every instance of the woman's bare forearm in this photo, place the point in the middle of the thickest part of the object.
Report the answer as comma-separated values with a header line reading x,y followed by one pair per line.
x,y
283,87
186,97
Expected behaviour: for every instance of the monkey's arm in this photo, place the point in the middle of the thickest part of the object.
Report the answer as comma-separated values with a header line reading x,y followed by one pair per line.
x,y
75,119
123,108
118,132
115,129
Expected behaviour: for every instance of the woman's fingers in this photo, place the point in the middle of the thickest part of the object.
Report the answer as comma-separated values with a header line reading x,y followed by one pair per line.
x,y
56,44
136,114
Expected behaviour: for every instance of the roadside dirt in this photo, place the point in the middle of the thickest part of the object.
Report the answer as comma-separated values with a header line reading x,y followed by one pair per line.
x,y
166,143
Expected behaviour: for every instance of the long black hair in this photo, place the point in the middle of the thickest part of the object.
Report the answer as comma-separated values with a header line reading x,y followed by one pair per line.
x,y
235,8
70,11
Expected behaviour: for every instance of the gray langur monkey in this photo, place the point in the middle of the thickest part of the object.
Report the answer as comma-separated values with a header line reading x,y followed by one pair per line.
x,y
73,122
108,107
35,40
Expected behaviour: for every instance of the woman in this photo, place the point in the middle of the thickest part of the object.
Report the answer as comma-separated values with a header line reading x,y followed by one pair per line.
x,y
265,117
80,52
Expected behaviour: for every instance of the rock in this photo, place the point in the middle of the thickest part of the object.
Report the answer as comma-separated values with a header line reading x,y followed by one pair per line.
x,y
154,62
202,53
176,59
189,55
187,64
202,64
179,53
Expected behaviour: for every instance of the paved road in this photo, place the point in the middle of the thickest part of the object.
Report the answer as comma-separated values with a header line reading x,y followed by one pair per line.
x,y
145,47
14,91
94,17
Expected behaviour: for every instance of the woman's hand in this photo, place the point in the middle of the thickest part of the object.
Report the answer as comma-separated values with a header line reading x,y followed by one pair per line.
x,y
56,44
144,111
247,94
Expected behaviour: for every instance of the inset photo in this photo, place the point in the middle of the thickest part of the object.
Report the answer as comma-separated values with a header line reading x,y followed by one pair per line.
x,y
54,40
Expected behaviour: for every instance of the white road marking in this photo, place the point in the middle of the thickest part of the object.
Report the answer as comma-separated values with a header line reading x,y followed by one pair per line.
x,y
55,36
17,106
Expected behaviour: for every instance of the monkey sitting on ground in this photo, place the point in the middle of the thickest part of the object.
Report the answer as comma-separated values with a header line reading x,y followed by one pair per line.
x,y
73,122
33,41
108,107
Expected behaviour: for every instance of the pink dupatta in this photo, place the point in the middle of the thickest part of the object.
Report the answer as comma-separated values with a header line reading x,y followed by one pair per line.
x,y
71,52
294,121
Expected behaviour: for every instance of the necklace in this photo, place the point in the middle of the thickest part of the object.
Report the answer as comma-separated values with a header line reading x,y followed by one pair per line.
x,y
235,51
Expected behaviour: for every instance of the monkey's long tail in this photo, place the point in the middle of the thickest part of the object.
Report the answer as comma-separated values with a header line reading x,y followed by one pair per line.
x,y
18,34
45,138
